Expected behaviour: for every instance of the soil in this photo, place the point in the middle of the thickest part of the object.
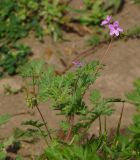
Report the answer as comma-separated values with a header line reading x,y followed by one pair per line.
x,y
122,68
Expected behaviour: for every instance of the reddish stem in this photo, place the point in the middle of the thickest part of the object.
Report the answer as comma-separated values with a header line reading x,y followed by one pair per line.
x,y
69,133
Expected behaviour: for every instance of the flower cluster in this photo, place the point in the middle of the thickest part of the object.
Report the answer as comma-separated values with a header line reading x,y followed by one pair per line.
x,y
114,27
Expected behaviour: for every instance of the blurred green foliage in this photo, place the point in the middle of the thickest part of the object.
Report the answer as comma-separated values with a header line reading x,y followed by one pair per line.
x,y
137,2
3,119
17,19
11,58
94,11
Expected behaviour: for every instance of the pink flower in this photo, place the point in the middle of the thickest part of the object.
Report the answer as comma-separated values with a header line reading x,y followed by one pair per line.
x,y
77,63
115,29
106,21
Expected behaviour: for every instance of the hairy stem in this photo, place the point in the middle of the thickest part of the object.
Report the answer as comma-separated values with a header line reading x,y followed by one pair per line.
x,y
100,126
71,121
96,71
105,125
49,134
120,120
103,57
119,125
36,105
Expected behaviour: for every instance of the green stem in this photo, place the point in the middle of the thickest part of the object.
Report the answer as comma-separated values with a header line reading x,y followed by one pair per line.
x,y
71,117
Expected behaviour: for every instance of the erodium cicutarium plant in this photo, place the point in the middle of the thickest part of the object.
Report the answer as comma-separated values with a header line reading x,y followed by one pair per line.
x,y
65,95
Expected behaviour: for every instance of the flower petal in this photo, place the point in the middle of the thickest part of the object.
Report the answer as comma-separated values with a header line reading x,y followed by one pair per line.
x,y
116,24
111,32
111,26
104,22
77,63
116,32
120,29
108,18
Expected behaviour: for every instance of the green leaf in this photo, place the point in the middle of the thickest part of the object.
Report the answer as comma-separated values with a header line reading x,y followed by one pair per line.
x,y
95,96
36,123
33,68
134,95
